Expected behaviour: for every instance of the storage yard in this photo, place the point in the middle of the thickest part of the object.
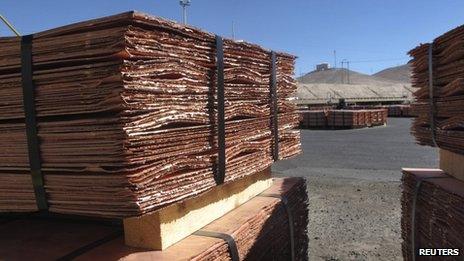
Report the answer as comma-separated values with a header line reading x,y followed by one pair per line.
x,y
130,136
343,119
354,188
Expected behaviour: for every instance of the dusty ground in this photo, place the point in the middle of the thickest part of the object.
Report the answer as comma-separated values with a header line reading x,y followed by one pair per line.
x,y
354,188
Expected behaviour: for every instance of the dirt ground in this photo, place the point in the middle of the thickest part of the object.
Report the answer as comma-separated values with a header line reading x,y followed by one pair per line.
x,y
354,188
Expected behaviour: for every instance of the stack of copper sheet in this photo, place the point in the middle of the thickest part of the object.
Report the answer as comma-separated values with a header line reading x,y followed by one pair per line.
x,y
127,116
448,91
346,118
259,227
398,110
313,119
439,212
377,117
352,118
356,118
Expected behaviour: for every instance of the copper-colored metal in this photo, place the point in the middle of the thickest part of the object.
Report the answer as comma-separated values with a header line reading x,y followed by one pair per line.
x,y
259,227
448,83
439,215
127,115
343,118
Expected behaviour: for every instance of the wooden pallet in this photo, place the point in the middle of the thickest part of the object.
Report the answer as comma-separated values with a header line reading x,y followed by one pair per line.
x,y
452,163
162,228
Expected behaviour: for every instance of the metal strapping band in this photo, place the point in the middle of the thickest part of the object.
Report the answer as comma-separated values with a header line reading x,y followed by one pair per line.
x,y
35,162
233,250
82,250
221,163
413,214
431,96
290,219
274,106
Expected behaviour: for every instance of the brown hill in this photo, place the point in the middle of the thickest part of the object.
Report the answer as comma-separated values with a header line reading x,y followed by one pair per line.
x,y
400,73
340,76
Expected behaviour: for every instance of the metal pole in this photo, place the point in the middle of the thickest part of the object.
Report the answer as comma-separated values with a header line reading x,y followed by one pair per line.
x,y
348,70
335,59
184,4
184,14
341,70
9,25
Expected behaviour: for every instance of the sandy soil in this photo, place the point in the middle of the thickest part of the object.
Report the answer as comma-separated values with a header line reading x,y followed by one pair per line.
x,y
354,219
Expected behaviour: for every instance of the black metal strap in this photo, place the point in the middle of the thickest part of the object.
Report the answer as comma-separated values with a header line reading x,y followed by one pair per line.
x,y
31,123
413,212
233,250
221,163
431,97
82,250
290,219
274,107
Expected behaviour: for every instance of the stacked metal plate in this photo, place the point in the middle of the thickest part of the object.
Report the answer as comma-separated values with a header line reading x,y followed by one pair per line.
x,y
377,117
349,118
313,119
399,110
127,115
439,214
447,55
260,229
356,118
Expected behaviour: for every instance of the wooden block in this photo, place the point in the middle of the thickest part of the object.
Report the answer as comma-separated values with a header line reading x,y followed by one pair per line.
x,y
452,163
162,228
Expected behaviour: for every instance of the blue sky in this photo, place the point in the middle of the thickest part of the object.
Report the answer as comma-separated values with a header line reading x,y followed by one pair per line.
x,y
372,34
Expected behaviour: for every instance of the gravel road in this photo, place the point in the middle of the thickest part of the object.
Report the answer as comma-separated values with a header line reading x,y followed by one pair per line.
x,y
354,188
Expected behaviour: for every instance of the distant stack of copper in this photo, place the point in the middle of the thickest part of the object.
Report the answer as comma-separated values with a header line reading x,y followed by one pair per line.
x,y
356,118
313,119
342,119
398,110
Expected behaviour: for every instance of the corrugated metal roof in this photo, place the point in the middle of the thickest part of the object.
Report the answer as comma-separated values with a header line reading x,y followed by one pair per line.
x,y
323,92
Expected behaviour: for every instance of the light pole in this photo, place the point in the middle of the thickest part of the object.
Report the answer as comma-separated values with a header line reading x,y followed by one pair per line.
x,y
347,71
342,72
184,4
335,59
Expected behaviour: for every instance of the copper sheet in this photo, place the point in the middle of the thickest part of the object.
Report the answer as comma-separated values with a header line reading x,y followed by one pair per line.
x,y
448,54
313,119
439,212
354,118
127,115
259,227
